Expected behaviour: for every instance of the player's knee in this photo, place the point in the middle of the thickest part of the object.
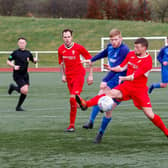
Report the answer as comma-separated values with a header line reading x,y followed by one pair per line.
x,y
72,96
149,113
24,90
115,93
163,85
108,114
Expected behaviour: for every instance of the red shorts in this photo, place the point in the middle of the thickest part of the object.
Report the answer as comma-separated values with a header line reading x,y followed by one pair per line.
x,y
138,95
75,84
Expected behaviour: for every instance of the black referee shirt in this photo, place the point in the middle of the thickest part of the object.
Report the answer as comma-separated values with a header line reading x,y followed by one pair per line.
x,y
21,58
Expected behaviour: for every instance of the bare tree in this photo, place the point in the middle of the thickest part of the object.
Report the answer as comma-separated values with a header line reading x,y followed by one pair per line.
x,y
160,9
6,7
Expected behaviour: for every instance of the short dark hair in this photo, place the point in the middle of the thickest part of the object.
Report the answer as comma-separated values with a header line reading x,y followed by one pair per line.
x,y
21,38
142,41
67,30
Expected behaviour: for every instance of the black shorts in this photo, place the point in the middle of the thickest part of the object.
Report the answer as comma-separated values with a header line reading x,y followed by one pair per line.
x,y
21,79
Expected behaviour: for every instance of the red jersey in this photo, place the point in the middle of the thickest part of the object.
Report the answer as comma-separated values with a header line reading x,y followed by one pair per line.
x,y
71,58
139,67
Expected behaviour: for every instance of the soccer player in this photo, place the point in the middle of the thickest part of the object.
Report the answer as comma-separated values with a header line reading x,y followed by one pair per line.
x,y
163,59
73,71
19,61
138,64
116,52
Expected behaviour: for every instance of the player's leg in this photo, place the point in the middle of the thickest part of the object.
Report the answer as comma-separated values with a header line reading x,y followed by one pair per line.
x,y
142,101
23,94
114,93
157,121
23,84
13,87
163,84
95,109
104,124
75,87
73,112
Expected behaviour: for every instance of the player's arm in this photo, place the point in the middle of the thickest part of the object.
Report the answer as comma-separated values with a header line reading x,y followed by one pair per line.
x,y
11,63
99,56
62,68
144,69
33,59
160,57
119,68
90,76
87,57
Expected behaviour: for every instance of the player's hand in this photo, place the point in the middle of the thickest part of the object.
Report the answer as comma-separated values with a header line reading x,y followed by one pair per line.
x,y
165,63
103,85
35,60
90,80
64,79
125,78
16,67
106,66
87,62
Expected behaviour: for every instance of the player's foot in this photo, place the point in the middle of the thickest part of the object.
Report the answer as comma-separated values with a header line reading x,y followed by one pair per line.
x,y
150,89
19,109
11,89
88,125
98,138
70,129
81,102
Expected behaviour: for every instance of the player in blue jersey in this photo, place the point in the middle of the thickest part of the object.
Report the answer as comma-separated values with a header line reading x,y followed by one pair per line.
x,y
163,59
116,52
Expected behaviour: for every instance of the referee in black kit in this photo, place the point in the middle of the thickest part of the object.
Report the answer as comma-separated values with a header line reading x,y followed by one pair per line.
x,y
19,60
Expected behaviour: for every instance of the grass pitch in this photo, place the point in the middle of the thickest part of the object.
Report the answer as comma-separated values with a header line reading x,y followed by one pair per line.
x,y
35,138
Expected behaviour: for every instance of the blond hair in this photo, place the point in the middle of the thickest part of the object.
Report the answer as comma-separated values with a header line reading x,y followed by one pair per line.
x,y
115,32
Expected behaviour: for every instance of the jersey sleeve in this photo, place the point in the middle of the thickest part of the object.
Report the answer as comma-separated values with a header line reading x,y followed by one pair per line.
x,y
31,57
60,59
124,64
12,56
160,56
144,69
100,55
84,52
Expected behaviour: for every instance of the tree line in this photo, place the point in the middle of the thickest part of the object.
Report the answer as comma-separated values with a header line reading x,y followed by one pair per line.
x,y
96,9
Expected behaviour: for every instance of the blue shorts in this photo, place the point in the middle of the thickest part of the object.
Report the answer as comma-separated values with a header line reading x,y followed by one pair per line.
x,y
113,83
164,74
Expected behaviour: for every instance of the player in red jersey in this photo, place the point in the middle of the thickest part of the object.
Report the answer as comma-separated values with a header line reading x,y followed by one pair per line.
x,y
73,71
138,64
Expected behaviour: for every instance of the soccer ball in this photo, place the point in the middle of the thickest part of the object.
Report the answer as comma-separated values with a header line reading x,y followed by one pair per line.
x,y
105,103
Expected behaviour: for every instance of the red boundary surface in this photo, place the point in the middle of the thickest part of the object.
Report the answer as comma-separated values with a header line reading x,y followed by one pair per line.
x,y
44,69
53,69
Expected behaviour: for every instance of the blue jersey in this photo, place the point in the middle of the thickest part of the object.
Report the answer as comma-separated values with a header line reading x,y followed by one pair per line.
x,y
115,57
163,55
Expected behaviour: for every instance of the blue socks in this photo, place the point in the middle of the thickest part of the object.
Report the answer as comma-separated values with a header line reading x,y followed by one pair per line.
x,y
95,111
156,85
104,124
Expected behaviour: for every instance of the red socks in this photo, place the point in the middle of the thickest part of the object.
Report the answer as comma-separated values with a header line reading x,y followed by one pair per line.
x,y
159,123
94,100
73,111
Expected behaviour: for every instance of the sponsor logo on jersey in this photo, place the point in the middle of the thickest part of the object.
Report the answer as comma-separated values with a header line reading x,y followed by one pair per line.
x,y
69,57
112,60
133,65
